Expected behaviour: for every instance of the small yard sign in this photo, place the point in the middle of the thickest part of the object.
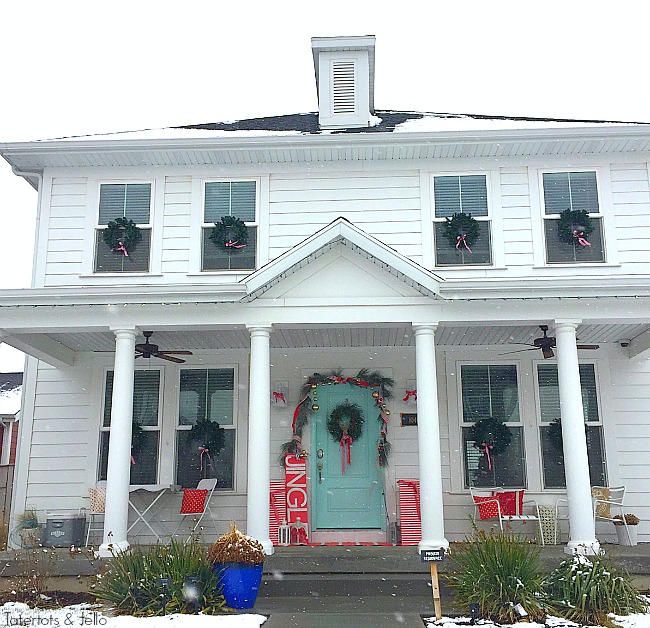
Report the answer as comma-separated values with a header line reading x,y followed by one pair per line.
x,y
433,557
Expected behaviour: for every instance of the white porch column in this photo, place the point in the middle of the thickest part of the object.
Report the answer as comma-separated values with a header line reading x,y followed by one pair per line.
x,y
259,437
582,530
119,446
431,512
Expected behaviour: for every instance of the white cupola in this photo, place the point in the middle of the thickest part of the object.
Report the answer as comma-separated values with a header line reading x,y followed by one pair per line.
x,y
345,80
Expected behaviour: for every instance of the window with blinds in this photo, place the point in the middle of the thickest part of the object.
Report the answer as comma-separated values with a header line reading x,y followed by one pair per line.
x,y
133,202
205,395
461,194
146,404
239,200
550,428
576,191
492,391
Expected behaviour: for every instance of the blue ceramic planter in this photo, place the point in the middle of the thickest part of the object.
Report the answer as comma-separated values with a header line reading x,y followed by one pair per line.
x,y
239,583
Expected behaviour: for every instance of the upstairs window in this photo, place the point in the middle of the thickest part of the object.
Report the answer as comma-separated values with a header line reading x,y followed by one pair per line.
x,y
236,199
131,201
465,194
576,191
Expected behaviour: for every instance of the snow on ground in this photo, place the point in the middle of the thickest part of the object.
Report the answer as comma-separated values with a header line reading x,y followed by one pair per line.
x,y
627,621
84,616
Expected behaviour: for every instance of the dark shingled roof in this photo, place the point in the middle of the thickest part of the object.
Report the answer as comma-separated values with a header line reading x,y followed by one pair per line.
x,y
308,122
10,381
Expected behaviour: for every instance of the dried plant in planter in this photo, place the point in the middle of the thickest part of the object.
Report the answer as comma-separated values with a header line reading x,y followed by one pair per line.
x,y
235,547
630,519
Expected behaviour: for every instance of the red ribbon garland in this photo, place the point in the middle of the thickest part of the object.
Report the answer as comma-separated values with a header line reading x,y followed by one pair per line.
x,y
122,248
205,451
346,441
485,448
462,239
234,245
411,393
579,236
279,396
296,412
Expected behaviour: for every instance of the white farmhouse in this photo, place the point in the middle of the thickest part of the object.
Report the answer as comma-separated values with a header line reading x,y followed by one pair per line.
x,y
491,268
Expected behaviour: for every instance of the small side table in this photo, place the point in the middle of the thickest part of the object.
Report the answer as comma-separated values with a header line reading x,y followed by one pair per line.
x,y
548,524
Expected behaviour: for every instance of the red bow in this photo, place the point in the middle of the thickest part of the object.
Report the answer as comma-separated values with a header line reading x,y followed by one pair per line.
x,y
411,393
205,451
462,239
279,396
346,441
234,244
579,236
485,448
120,247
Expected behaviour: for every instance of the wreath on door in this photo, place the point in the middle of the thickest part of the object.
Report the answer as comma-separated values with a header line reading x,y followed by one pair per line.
x,y
346,418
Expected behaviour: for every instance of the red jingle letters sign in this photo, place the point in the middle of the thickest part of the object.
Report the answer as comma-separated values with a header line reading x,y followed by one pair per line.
x,y
295,470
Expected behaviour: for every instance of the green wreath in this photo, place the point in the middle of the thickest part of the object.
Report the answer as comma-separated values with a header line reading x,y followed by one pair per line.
x,y
121,235
573,222
210,435
461,228
490,432
345,414
230,234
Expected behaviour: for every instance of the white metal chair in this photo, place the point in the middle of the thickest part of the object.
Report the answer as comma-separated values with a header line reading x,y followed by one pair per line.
x,y
505,505
608,502
97,509
196,503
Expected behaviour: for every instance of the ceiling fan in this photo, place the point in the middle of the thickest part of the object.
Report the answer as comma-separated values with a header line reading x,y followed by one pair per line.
x,y
547,344
149,350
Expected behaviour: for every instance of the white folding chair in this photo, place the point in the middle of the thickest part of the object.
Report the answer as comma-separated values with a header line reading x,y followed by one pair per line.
x,y
97,509
608,502
488,504
195,504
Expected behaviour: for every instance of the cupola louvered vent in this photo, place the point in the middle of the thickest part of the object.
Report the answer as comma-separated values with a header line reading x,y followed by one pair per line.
x,y
343,87
345,80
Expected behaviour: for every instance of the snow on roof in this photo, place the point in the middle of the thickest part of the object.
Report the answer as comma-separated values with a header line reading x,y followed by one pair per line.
x,y
10,393
383,122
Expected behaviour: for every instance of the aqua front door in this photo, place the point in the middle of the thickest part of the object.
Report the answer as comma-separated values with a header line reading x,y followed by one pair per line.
x,y
346,496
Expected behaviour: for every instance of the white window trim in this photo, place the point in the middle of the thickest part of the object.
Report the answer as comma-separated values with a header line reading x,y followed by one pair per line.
x,y
494,217
539,423
147,428
538,215
175,427
455,415
91,226
197,224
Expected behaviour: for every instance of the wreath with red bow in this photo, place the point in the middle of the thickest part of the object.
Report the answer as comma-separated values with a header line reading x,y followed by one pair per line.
x,y
121,235
574,225
490,432
461,230
230,234
346,416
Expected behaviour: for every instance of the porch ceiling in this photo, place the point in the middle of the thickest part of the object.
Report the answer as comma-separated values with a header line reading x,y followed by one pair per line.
x,y
337,336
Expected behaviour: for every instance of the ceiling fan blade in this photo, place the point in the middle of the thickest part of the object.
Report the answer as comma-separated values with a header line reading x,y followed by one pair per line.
x,y
519,351
169,358
591,347
176,352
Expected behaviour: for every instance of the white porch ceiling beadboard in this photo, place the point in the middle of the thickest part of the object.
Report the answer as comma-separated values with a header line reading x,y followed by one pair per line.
x,y
346,337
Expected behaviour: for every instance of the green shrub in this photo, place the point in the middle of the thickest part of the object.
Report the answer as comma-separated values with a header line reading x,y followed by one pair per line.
x,y
130,583
586,590
498,572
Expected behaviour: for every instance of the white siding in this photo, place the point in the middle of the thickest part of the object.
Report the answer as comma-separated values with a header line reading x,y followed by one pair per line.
x,y
176,227
517,226
386,206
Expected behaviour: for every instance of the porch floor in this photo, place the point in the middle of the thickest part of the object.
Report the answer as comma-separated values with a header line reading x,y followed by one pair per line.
x,y
318,586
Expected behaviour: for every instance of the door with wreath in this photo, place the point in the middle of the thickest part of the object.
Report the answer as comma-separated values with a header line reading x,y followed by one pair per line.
x,y
346,495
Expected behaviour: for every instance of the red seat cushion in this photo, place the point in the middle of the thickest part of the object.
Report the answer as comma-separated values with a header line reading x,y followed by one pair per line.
x,y
487,507
511,502
193,501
